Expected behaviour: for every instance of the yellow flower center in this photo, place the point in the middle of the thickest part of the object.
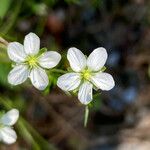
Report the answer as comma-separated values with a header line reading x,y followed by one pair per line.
x,y
86,74
32,61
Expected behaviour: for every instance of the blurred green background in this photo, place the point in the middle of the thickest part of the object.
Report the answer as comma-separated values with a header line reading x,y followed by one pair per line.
x,y
51,120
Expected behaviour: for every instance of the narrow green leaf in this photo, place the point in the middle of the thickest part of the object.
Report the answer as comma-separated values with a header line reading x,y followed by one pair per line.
x,y
4,6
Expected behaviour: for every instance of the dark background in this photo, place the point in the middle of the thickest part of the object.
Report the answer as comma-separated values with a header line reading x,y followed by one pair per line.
x,y
120,118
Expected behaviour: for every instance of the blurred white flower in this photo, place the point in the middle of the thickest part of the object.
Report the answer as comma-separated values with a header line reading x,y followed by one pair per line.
x,y
29,63
7,134
87,74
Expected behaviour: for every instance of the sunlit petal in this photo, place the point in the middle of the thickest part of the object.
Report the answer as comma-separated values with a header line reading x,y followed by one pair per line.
x,y
8,135
16,52
18,74
49,59
76,59
103,81
85,93
10,117
97,59
31,44
39,78
69,81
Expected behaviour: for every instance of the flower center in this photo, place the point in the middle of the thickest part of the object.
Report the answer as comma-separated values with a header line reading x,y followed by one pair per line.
x,y
31,61
86,74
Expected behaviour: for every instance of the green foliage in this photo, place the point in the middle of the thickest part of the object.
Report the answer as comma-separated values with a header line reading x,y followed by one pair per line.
x,y
25,130
103,68
4,73
96,3
2,112
4,6
42,50
9,23
96,103
73,1
40,9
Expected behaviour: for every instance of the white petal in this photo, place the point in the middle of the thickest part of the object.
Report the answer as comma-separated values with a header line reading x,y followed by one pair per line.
x,y
97,59
103,81
76,59
16,52
49,59
10,117
39,78
31,44
69,81
18,74
8,135
85,93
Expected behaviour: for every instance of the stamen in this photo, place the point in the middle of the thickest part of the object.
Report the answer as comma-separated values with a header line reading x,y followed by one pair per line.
x,y
86,74
31,61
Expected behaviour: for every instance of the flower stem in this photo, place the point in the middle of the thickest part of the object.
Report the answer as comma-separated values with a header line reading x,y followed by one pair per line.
x,y
26,130
3,41
86,115
58,71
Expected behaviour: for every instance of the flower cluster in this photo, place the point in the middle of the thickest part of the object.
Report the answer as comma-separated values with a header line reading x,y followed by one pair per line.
x,y
31,62
87,73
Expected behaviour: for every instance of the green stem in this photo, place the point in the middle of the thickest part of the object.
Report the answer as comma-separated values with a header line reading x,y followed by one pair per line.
x,y
37,138
12,19
27,131
86,115
58,71
26,134
3,42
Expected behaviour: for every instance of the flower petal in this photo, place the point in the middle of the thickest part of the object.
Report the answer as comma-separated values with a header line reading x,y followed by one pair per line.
x,y
49,59
31,44
76,59
85,93
16,52
18,74
10,117
8,135
97,59
103,81
69,81
39,78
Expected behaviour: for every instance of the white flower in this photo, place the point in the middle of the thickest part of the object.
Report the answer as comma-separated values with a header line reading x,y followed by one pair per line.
x,y
29,63
87,74
7,134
